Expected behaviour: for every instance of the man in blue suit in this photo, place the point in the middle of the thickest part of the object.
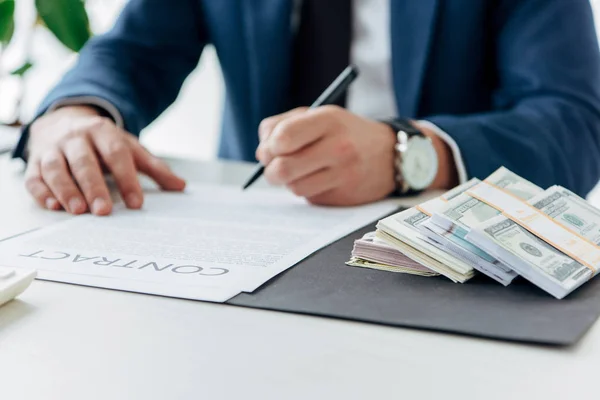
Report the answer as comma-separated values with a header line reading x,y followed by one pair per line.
x,y
449,89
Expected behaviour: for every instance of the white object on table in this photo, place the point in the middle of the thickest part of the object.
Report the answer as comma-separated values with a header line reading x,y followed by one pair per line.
x,y
13,282
70,342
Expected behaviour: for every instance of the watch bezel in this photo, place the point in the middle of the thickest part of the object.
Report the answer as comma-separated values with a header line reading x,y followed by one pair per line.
x,y
405,131
428,143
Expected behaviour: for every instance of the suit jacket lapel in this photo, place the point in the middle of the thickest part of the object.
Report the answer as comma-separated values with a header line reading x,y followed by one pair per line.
x,y
412,25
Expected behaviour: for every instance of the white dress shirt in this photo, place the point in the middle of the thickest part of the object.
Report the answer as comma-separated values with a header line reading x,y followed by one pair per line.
x,y
371,95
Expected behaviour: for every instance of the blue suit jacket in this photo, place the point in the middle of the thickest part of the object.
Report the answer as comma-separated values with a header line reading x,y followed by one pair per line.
x,y
514,82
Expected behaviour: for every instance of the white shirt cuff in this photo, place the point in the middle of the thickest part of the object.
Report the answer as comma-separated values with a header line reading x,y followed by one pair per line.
x,y
458,160
90,101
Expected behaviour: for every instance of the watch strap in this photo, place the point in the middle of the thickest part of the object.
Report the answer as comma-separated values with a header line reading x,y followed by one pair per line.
x,y
403,124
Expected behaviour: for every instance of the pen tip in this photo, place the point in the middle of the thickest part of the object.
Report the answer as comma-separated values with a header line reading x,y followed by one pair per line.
x,y
248,183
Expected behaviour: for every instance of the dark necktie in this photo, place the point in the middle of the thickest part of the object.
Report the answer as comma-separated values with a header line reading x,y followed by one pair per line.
x,y
321,48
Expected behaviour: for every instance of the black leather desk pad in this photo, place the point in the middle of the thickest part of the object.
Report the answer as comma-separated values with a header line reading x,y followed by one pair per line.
x,y
322,285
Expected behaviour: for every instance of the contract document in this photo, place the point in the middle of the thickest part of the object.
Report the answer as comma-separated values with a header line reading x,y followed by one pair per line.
x,y
209,243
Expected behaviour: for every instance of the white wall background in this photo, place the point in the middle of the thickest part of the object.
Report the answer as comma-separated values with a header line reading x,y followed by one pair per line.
x,y
187,129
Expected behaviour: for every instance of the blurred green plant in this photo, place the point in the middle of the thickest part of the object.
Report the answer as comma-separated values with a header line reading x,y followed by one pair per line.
x,y
66,19
7,21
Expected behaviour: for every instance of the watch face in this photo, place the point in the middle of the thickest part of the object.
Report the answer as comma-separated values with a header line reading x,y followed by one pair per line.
x,y
419,163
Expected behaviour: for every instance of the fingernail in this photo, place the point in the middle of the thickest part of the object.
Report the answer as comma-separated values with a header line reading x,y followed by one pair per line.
x,y
133,201
51,203
99,206
76,206
182,184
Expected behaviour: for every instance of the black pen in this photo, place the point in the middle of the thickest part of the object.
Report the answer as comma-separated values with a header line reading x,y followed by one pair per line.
x,y
329,96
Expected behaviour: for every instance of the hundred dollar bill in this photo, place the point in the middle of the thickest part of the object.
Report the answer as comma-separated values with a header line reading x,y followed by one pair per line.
x,y
509,181
401,231
465,212
571,211
447,241
477,258
451,222
531,257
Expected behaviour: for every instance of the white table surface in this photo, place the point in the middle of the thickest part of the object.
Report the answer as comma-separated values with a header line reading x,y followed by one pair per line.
x,y
68,342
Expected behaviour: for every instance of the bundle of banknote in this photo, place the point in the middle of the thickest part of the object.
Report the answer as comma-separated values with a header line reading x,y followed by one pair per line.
x,y
402,231
451,221
502,227
552,240
372,252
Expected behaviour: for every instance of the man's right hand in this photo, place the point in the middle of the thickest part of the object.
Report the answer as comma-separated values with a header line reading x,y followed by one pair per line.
x,y
68,151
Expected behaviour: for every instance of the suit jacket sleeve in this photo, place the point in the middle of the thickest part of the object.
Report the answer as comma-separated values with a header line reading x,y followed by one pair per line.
x,y
545,124
140,65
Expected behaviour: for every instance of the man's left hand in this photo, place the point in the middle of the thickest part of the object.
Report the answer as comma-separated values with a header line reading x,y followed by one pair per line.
x,y
328,155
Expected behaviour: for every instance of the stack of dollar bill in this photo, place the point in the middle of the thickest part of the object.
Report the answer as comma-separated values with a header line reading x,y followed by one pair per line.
x,y
502,227
372,252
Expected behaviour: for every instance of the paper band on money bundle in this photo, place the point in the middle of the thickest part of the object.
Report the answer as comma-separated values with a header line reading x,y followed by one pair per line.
x,y
538,223
543,244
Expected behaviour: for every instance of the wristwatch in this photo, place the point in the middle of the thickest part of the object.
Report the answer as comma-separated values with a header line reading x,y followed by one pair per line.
x,y
416,162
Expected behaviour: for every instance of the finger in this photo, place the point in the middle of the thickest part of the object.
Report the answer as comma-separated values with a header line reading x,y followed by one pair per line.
x,y
85,168
298,131
155,168
57,177
38,188
263,154
268,124
319,155
116,152
317,183
265,129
